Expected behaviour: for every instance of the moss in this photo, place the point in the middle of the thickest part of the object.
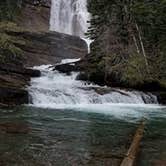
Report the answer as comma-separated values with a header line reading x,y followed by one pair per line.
x,y
9,9
134,71
9,26
9,45
163,84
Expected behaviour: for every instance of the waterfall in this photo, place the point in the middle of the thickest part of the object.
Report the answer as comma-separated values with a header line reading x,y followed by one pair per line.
x,y
69,16
54,89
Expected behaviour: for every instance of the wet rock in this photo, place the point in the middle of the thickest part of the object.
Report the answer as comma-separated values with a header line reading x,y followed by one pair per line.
x,y
66,68
19,70
13,96
161,96
14,128
13,80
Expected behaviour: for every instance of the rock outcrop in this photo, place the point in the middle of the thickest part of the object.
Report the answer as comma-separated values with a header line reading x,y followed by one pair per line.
x,y
34,15
49,47
30,38
38,48
13,81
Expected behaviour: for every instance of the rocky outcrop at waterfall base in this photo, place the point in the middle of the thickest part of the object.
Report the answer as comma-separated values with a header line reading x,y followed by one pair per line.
x,y
35,48
68,67
151,86
48,47
13,81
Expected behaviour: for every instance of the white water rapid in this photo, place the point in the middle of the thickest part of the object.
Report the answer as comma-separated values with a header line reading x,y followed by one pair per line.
x,y
54,89
69,16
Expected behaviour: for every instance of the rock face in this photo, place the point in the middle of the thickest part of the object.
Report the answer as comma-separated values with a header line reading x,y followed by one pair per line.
x,y
68,67
19,70
13,80
50,47
38,49
35,15
13,96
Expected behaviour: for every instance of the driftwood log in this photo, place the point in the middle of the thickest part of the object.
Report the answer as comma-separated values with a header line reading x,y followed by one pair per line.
x,y
132,153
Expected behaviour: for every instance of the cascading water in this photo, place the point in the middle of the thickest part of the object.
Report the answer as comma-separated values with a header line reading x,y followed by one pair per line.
x,y
69,16
54,89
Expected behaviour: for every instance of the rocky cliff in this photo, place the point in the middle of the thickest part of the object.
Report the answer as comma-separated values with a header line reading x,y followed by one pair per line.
x,y
35,15
25,41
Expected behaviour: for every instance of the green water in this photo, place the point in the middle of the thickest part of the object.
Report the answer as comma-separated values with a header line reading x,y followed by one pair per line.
x,y
79,138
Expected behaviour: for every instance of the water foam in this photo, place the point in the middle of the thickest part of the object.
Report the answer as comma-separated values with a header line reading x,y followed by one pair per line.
x,y
58,90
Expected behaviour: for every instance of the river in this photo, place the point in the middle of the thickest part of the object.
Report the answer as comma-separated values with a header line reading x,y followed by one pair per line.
x,y
65,137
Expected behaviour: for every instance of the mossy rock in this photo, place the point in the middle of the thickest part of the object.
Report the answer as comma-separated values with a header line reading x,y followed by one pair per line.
x,y
9,45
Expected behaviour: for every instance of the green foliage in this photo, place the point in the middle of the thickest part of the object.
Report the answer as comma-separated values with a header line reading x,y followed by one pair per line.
x,y
134,71
133,34
9,26
9,45
9,9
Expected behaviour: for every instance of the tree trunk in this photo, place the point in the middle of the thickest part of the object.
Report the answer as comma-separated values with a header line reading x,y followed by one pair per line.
x,y
142,47
134,148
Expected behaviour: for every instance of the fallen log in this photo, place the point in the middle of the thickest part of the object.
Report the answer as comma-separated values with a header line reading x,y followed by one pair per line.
x,y
132,153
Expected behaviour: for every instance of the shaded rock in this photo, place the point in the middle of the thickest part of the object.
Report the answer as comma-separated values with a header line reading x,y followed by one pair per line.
x,y
66,68
69,67
49,47
13,96
19,70
161,96
82,76
13,80
34,15
96,77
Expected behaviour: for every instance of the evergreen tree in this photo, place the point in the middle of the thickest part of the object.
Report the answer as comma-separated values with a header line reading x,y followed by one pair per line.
x,y
129,38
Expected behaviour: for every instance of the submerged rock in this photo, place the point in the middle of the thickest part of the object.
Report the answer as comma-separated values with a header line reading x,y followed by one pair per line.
x,y
14,128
